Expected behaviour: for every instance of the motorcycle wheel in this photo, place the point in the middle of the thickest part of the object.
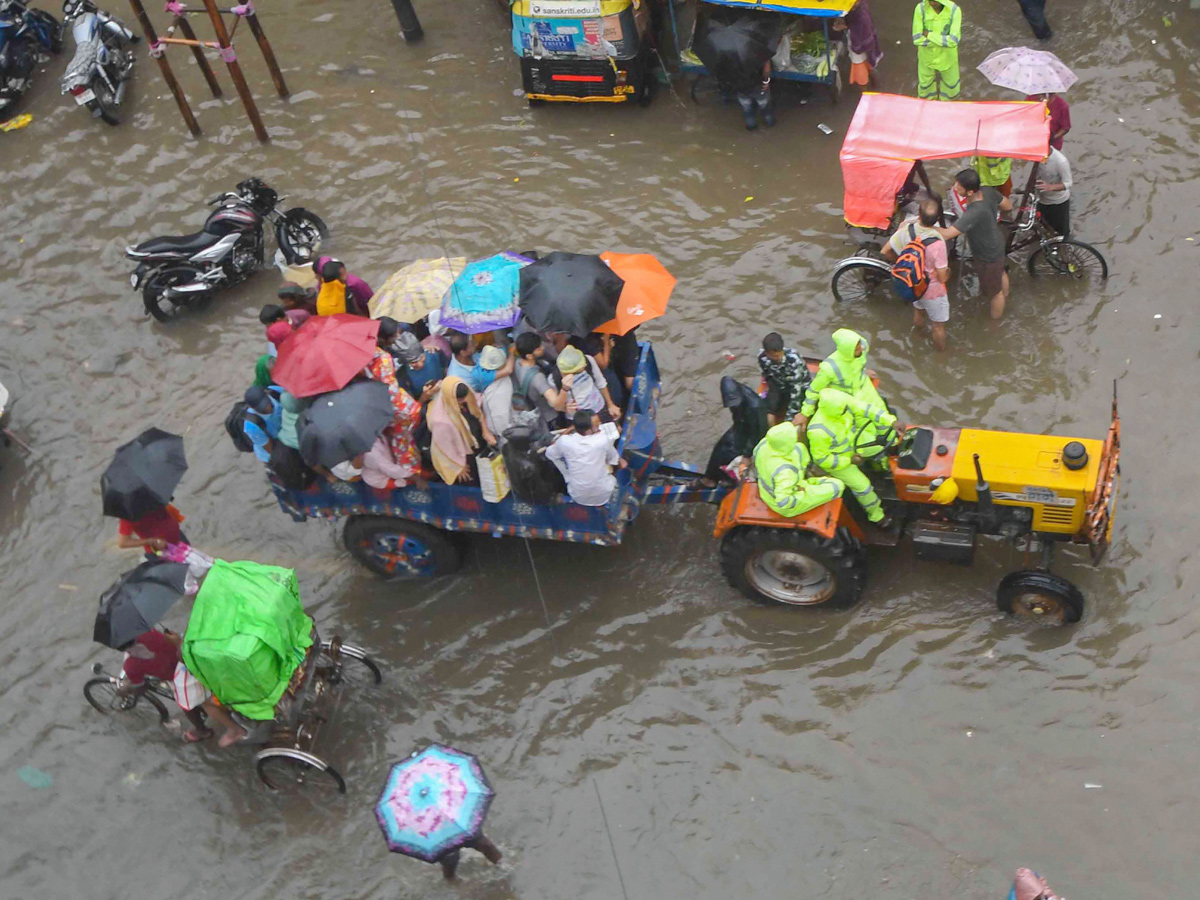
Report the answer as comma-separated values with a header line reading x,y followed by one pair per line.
x,y
163,308
105,103
300,234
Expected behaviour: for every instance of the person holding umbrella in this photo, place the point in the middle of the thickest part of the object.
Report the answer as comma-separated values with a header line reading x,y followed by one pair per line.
x,y
1039,75
137,488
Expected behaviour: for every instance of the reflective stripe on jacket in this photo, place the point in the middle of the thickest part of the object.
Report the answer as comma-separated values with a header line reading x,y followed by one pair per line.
x,y
937,34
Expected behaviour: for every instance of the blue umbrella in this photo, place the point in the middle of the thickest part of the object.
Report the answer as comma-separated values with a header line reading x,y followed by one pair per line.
x,y
433,802
484,296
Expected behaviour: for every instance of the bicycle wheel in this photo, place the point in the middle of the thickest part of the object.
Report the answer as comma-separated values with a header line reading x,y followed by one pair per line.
x,y
102,694
354,668
1071,259
287,769
861,281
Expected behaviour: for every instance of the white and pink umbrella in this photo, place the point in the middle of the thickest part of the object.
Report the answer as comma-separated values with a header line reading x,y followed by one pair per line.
x,y
1027,71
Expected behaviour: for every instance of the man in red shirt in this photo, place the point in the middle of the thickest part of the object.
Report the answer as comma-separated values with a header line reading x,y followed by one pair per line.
x,y
1060,117
156,653
153,531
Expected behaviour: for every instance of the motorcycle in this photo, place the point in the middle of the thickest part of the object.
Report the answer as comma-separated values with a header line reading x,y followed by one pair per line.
x,y
27,36
175,274
98,73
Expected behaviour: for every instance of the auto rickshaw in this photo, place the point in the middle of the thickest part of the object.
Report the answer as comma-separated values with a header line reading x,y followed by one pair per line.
x,y
584,51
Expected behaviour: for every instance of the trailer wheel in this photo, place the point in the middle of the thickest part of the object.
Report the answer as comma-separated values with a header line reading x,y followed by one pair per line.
x,y
794,567
398,548
1040,596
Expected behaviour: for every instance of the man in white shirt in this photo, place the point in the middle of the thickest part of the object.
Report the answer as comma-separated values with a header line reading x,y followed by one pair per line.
x,y
1054,192
584,458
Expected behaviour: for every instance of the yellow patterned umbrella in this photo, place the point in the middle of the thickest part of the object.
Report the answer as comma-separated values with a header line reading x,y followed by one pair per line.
x,y
417,289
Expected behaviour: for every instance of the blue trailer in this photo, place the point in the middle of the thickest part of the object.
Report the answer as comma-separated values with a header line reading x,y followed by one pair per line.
x,y
410,532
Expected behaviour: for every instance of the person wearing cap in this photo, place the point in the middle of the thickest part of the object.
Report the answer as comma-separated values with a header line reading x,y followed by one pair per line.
x,y
498,396
465,364
262,420
582,377
584,456
419,366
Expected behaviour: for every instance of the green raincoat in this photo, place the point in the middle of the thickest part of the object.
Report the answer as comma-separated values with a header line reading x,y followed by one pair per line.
x,y
831,437
247,634
843,371
936,35
782,463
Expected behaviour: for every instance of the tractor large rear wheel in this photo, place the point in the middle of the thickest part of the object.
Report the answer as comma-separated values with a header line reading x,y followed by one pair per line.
x,y
794,567
399,548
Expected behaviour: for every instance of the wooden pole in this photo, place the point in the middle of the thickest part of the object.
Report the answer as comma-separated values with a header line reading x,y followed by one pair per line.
x,y
410,25
201,60
265,46
235,71
159,53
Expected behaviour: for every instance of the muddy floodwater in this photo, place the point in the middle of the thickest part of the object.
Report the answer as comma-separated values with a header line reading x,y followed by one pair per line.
x,y
651,733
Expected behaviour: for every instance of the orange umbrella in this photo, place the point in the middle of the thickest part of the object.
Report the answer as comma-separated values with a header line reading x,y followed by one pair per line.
x,y
648,287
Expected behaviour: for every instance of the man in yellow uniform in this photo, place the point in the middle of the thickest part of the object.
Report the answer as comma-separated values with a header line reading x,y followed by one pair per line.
x,y
782,466
844,369
831,438
937,28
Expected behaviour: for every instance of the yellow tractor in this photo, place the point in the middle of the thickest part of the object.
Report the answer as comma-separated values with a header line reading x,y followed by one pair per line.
x,y
943,487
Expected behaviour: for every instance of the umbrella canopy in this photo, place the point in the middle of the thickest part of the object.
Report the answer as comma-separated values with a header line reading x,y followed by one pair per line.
x,y
143,474
569,293
433,802
733,47
343,424
889,133
484,296
416,290
647,290
138,601
1027,71
324,354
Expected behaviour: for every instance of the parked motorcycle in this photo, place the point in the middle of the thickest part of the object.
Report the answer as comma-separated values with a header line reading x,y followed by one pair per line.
x,y
178,273
98,73
27,36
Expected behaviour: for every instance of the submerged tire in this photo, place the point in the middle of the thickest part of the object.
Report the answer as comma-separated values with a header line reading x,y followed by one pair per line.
x,y
163,308
102,694
300,234
1041,597
794,567
1068,259
398,548
861,281
289,770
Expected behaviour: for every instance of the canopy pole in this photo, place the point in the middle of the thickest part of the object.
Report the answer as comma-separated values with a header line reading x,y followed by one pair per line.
x,y
235,71
158,51
201,60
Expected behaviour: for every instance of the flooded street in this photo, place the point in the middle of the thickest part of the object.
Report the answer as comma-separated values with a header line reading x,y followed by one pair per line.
x,y
651,734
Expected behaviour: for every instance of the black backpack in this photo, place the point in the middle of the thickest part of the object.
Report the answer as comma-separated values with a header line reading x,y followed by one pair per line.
x,y
233,426
289,467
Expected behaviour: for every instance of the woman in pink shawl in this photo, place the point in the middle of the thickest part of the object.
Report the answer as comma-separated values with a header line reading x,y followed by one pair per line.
x,y
457,429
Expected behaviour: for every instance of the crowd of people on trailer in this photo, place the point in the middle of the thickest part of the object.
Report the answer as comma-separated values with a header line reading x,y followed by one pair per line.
x,y
454,396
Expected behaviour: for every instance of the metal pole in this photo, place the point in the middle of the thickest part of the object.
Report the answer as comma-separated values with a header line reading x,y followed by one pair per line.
x,y
158,51
268,54
410,25
201,60
235,71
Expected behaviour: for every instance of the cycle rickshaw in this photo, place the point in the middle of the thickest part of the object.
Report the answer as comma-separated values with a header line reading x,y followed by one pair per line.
x,y
251,644
883,167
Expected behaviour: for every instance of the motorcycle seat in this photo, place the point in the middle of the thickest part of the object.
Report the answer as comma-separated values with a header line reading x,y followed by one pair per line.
x,y
83,61
183,243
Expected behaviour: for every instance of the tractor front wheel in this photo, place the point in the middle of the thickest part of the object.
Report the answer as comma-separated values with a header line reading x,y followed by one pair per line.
x,y
794,567
1041,597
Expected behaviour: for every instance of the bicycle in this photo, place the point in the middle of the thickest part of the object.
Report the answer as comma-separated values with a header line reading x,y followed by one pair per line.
x,y
102,693
867,275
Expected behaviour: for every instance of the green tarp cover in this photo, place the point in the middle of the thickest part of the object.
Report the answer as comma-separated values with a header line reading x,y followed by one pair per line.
x,y
247,634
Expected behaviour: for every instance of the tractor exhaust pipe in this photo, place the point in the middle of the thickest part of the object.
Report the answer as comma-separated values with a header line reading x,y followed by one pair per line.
x,y
987,506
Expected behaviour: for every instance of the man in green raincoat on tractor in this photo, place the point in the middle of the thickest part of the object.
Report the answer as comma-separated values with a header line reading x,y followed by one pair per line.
x,y
937,28
837,438
846,370
782,466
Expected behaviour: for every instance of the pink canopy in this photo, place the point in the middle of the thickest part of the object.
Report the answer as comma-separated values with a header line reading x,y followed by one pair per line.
x,y
889,133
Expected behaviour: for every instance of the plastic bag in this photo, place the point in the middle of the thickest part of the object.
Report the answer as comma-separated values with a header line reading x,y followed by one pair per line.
x,y
493,477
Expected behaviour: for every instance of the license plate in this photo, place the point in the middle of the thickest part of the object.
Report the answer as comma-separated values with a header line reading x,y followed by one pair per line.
x,y
86,97
133,279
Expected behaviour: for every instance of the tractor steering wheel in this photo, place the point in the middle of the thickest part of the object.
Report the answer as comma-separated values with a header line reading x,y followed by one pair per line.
x,y
883,439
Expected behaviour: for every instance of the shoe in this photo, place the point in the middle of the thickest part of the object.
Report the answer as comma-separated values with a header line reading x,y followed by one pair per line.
x,y
885,523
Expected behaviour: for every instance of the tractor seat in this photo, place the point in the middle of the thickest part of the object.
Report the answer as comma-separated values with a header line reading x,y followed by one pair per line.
x,y
184,243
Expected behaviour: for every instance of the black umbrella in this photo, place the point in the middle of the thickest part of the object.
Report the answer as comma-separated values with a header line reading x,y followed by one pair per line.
x,y
138,601
143,474
734,48
340,425
569,293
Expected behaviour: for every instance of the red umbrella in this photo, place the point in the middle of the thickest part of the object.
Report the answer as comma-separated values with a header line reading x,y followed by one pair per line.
x,y
325,353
